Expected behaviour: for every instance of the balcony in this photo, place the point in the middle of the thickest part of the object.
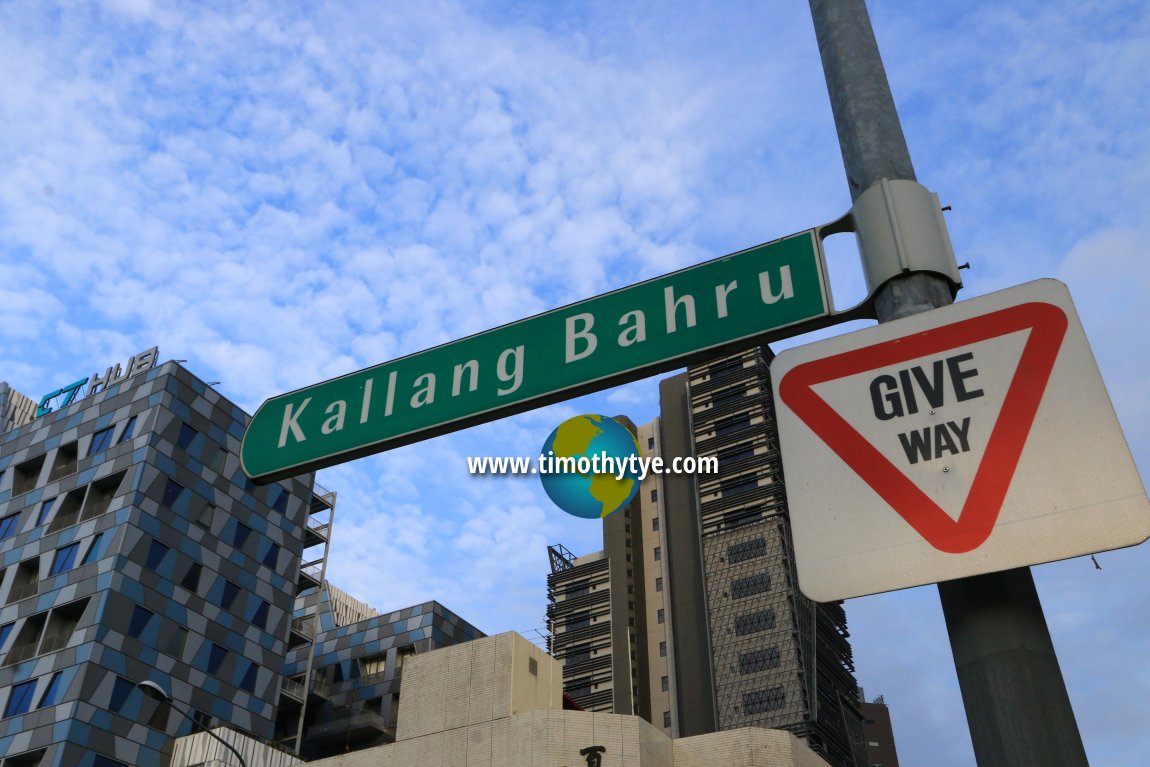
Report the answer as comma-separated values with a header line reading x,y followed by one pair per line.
x,y
310,575
294,689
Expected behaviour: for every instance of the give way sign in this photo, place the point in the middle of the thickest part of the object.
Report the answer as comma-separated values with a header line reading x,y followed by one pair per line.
x,y
964,440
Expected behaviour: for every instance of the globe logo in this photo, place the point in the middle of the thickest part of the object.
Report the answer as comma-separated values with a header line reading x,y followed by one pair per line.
x,y
588,466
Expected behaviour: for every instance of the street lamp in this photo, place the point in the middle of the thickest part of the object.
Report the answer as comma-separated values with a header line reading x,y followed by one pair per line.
x,y
158,693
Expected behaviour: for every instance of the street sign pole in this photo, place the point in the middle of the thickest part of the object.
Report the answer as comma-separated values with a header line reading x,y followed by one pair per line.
x,y
1012,688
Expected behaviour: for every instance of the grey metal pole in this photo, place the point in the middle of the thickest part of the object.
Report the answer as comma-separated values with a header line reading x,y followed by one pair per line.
x,y
1012,688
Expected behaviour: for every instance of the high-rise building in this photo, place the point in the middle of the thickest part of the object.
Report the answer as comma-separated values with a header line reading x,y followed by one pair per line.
x,y
726,640
133,548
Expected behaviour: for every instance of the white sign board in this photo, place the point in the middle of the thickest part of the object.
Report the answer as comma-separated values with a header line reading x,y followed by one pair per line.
x,y
968,439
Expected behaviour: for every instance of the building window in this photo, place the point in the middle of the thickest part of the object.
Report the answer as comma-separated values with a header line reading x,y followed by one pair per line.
x,y
662,649
731,489
204,518
730,425
370,665
187,434
140,618
654,495
95,549
658,553
216,658
228,594
579,621
9,526
175,644
755,584
758,660
666,719
201,720
45,511
156,553
658,584
103,761
660,614
101,440
650,443
5,630
20,699
754,622
272,557
664,684
655,524
64,560
740,552
248,683
240,537
764,700
52,692
577,688
580,653
172,492
191,579
260,619
129,429
121,689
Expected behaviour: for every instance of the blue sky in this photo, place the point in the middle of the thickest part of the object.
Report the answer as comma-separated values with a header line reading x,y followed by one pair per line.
x,y
281,193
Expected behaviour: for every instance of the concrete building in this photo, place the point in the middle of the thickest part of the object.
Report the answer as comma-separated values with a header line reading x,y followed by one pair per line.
x,y
878,733
132,548
705,566
498,702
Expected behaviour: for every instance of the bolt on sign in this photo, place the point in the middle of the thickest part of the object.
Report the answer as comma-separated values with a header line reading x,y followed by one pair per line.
x,y
964,440
637,331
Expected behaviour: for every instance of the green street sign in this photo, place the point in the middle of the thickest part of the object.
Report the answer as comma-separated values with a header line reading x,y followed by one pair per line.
x,y
665,323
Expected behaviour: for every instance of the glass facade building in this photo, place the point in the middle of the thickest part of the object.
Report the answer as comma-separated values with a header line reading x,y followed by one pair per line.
x,y
132,548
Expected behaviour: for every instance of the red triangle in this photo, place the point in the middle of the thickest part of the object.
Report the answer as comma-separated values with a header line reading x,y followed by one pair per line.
x,y
1047,324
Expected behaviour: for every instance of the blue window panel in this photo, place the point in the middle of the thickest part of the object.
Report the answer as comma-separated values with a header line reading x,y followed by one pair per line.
x,y
20,699
248,683
101,440
272,557
9,526
187,434
102,761
129,430
95,549
140,618
216,658
281,501
120,692
172,492
65,559
5,630
260,619
241,534
45,511
53,692
156,554
229,594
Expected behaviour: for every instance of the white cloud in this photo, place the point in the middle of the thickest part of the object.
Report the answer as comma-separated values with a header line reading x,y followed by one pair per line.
x,y
281,196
